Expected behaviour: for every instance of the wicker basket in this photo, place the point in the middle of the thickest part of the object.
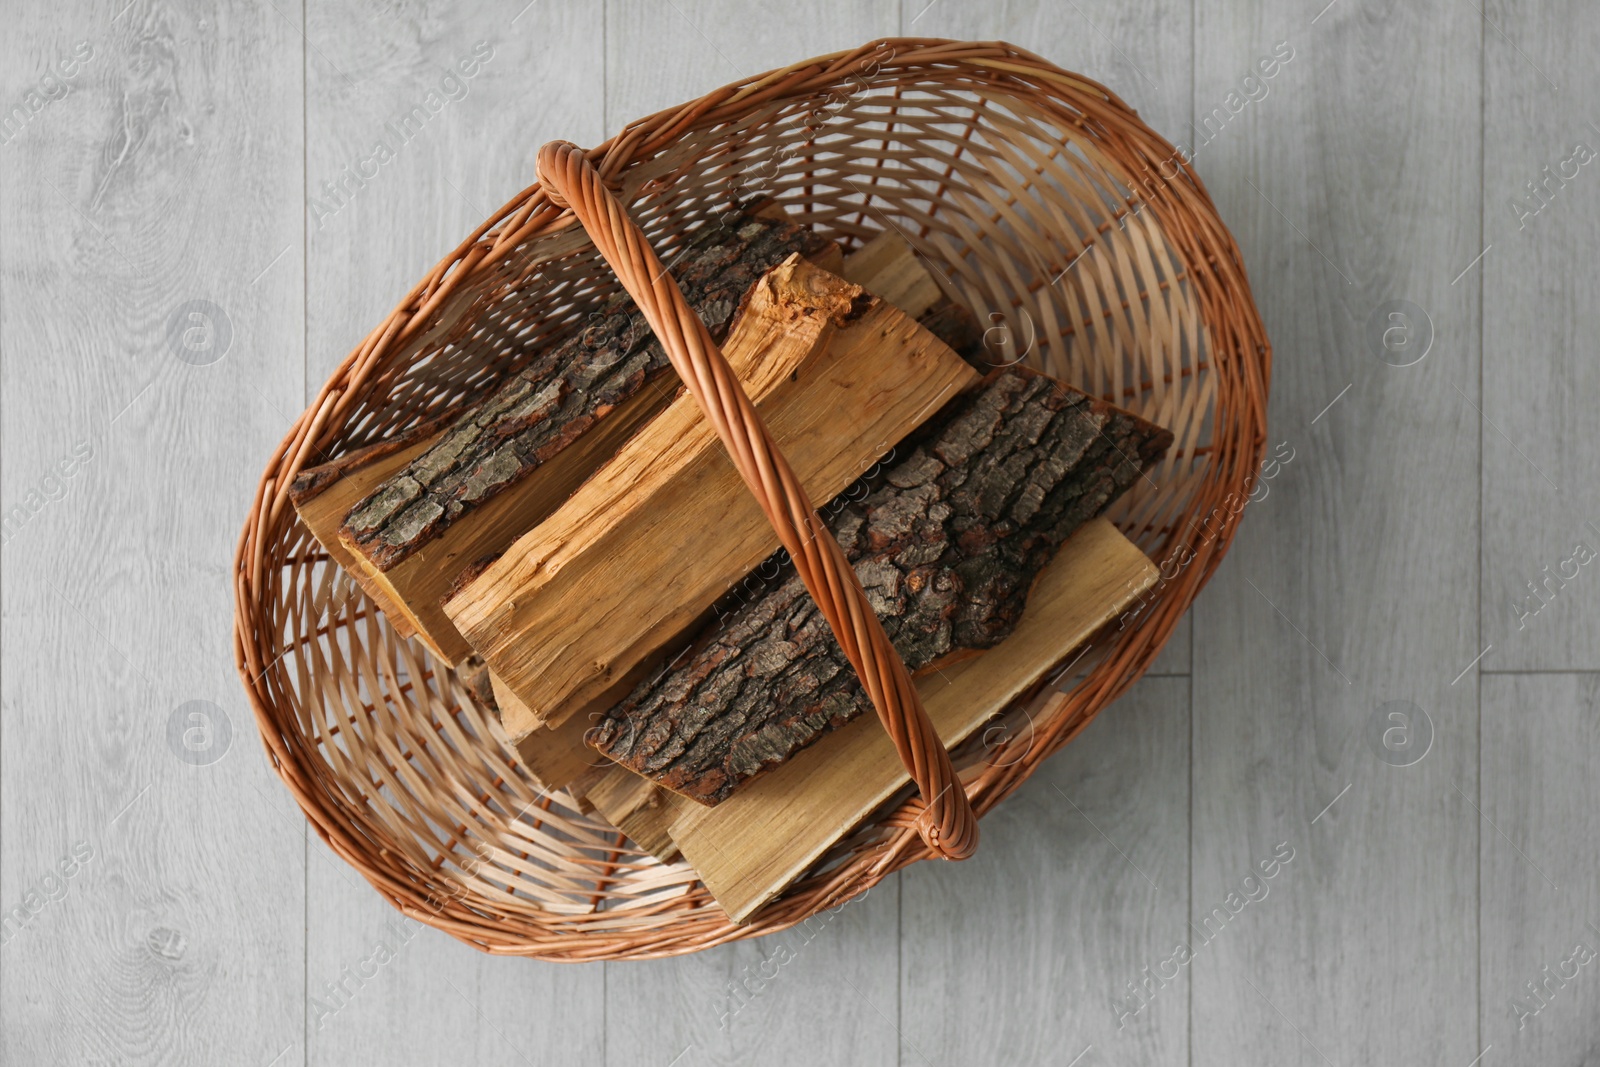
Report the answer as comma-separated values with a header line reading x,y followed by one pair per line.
x,y
1035,196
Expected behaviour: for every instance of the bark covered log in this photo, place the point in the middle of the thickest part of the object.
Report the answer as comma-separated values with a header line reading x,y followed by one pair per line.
x,y
947,543
582,606
548,404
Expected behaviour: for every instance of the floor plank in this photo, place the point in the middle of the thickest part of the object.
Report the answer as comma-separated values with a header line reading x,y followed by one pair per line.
x,y
1541,892
505,78
536,76
1541,443
659,55
1141,51
761,1001
1053,940
1355,583
147,334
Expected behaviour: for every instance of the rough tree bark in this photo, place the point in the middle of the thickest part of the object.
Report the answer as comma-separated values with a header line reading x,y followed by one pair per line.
x,y
561,394
580,607
947,543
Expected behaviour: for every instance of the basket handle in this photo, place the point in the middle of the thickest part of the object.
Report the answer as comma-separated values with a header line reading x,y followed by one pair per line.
x,y
946,822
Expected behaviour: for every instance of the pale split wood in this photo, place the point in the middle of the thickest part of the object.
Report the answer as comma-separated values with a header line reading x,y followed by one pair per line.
x,y
887,268
761,838
528,275
639,808
946,822
572,614
554,756
557,757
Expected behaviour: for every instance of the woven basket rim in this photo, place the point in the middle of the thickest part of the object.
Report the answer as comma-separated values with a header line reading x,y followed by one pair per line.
x,y
1180,203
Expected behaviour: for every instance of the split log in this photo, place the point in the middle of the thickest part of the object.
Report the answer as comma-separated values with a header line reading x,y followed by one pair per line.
x,y
415,513
947,545
574,613
323,495
563,758
889,269
475,676
753,845
557,757
638,807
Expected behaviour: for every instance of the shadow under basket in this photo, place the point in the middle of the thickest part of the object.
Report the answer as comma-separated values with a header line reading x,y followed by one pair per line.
x,y
1077,235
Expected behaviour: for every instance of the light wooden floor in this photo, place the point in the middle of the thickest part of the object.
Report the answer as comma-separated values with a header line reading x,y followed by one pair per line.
x,y
185,160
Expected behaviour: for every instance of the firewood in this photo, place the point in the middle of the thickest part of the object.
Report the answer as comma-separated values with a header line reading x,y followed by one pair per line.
x,y
947,545
770,349
557,757
640,808
887,267
577,610
750,847
474,674
506,462
323,495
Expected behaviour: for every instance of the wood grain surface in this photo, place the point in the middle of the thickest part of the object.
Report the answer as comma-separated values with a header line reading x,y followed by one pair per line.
x,y
1354,583
144,357
1541,433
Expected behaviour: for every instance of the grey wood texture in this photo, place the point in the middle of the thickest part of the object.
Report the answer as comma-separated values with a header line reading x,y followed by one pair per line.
x,y
176,278
661,54
1541,916
363,73
1541,449
1002,964
822,992
1355,583
163,171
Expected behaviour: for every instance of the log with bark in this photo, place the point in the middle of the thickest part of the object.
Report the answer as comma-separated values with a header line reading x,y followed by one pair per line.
x,y
947,542
557,756
578,609
406,517
560,395
752,845
323,495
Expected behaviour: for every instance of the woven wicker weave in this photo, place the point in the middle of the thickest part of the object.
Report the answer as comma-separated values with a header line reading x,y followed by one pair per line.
x,y
1037,198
